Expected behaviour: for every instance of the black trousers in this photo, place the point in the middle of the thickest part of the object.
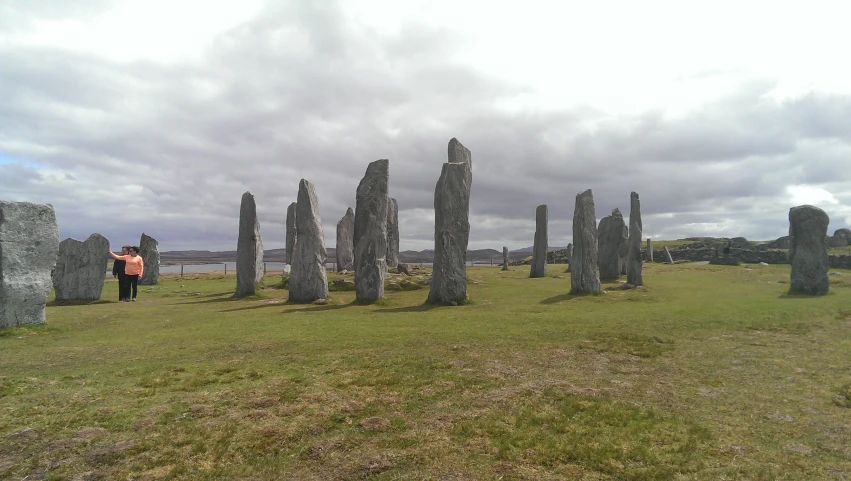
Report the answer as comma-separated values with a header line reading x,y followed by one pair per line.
x,y
122,285
131,284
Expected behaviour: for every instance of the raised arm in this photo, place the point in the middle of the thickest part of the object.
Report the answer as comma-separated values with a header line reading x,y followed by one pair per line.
x,y
118,257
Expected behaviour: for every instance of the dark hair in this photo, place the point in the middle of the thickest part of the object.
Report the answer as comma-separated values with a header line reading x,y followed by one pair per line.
x,y
134,249
125,247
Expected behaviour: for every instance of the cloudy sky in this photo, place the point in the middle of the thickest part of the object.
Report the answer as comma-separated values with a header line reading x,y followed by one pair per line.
x,y
156,116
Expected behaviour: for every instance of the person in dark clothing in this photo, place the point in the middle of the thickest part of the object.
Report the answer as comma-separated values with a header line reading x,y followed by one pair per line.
x,y
118,273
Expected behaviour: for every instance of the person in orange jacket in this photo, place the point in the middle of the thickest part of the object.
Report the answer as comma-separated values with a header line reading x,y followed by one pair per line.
x,y
133,268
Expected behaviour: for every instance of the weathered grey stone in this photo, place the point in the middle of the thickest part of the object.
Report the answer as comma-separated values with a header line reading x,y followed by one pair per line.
x,y
668,255
291,213
29,244
308,279
149,250
780,243
402,268
583,265
569,255
392,233
452,227
623,250
840,238
633,260
539,248
808,250
81,269
371,232
249,248
609,240
649,251
504,258
345,241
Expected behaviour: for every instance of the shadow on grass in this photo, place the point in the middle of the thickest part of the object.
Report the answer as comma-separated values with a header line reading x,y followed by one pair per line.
x,y
418,308
55,303
562,297
801,295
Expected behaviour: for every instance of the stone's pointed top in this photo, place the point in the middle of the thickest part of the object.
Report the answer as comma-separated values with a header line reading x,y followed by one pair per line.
x,y
293,204
616,212
633,194
586,193
349,211
380,165
458,153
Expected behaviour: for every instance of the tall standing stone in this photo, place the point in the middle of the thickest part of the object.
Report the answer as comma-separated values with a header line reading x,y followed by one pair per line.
x,y
291,235
371,232
452,227
539,248
81,269
308,279
249,248
583,265
610,238
149,249
634,265
808,250
345,242
649,250
29,244
623,250
392,233
569,255
504,258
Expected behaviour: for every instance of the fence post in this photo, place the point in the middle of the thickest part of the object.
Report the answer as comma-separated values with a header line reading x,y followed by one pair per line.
x,y
181,270
226,268
264,268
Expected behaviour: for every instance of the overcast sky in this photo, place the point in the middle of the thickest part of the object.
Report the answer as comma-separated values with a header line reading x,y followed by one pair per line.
x,y
156,116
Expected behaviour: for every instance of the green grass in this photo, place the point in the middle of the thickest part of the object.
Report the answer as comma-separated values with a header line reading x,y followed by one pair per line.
x,y
708,372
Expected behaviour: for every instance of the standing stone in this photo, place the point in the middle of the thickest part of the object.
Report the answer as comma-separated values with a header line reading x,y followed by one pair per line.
x,y
291,235
81,269
29,244
668,255
634,266
249,248
808,250
539,249
150,251
844,234
649,250
371,213
392,233
609,240
308,279
452,227
583,265
504,258
345,241
623,250
569,255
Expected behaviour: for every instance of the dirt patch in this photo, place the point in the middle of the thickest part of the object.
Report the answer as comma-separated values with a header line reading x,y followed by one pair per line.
x,y
26,434
375,424
201,410
108,454
88,433
264,402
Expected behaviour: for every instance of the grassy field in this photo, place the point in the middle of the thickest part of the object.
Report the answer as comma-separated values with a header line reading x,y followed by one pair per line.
x,y
709,372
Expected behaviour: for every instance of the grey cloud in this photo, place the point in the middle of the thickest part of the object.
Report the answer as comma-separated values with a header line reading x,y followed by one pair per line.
x,y
301,92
